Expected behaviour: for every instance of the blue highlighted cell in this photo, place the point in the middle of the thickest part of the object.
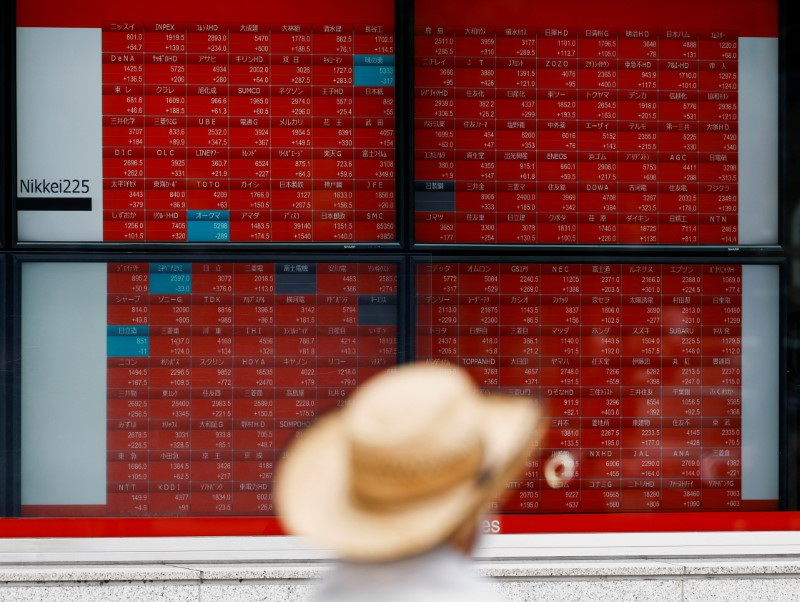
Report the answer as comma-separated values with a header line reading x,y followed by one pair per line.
x,y
127,346
128,331
201,231
170,284
296,268
208,215
369,76
295,278
377,310
295,284
375,60
377,315
170,268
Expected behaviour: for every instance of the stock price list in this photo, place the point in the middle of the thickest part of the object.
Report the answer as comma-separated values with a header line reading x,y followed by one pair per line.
x,y
639,367
605,123
249,131
213,367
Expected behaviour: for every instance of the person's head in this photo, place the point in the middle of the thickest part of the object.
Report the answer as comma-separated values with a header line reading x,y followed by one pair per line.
x,y
407,465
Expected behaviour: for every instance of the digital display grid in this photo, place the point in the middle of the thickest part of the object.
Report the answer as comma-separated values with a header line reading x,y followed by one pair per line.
x,y
213,367
245,123
218,132
280,127
658,379
539,125
639,367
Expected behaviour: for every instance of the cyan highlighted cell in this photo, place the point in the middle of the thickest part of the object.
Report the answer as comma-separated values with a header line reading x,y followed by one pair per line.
x,y
207,231
208,215
128,331
127,346
369,76
170,284
374,60
170,268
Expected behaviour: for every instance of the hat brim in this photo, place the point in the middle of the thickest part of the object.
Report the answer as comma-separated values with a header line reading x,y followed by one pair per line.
x,y
313,493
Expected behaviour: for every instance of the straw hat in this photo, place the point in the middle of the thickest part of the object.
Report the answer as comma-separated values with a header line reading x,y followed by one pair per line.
x,y
417,451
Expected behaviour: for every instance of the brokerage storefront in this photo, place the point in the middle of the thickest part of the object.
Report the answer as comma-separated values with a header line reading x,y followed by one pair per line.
x,y
220,219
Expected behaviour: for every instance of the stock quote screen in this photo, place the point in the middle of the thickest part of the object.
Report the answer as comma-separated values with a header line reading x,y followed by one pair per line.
x,y
192,377
607,124
206,122
595,125
659,379
596,122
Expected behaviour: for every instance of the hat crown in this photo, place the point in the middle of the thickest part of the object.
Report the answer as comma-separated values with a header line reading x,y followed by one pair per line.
x,y
375,494
413,434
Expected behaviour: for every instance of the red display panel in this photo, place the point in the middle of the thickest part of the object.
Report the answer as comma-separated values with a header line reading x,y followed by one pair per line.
x,y
596,123
218,123
643,369
211,368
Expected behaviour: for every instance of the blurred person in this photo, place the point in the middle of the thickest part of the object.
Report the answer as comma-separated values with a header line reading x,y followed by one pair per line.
x,y
397,481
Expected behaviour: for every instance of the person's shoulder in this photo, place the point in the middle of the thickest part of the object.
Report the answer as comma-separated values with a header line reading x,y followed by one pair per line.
x,y
440,575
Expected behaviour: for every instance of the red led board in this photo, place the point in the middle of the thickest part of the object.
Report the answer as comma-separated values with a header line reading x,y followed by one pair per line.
x,y
206,122
210,369
596,123
653,376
